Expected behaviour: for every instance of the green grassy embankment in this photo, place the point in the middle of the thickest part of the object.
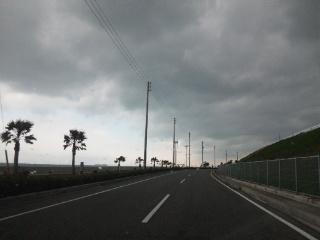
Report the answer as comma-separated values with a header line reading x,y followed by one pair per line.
x,y
298,171
302,145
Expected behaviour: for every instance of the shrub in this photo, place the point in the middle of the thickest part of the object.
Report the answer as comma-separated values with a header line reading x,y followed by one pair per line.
x,y
12,185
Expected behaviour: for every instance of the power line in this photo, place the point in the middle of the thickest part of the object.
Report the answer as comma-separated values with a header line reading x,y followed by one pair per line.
x,y
116,39
120,42
113,38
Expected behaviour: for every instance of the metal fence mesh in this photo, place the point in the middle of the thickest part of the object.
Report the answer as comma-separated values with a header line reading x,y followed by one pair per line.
x,y
300,175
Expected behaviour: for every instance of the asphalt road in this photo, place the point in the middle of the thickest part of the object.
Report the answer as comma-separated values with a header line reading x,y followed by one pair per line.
x,y
178,205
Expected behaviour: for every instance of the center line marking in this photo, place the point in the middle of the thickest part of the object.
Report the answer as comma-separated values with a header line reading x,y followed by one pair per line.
x,y
182,181
147,218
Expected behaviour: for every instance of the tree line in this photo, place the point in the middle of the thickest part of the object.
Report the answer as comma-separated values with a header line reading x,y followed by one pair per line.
x,y
19,130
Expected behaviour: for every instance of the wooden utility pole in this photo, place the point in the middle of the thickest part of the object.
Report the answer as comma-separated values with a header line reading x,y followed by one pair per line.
x,y
146,129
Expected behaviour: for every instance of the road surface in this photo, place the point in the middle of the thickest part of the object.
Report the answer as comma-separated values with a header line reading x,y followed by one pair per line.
x,y
189,204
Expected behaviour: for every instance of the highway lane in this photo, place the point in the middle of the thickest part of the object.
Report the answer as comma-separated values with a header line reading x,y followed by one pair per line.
x,y
196,207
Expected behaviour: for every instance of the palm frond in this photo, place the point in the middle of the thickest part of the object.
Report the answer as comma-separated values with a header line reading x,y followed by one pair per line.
x,y
65,146
11,125
6,136
19,127
76,137
29,139
67,139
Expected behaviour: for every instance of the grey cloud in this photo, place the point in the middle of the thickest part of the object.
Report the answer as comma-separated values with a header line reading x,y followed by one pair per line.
x,y
228,70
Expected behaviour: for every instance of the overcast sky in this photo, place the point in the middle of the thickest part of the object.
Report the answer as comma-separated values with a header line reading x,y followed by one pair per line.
x,y
235,74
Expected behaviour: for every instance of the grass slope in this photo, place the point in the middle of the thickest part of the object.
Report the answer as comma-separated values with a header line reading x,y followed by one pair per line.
x,y
302,145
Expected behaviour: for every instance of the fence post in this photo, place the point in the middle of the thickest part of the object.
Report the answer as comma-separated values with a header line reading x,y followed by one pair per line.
x,y
251,171
268,173
296,174
236,166
319,170
279,174
258,172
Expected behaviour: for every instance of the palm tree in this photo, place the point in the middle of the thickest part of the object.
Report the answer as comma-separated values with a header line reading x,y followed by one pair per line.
x,y
119,160
154,160
166,162
206,164
162,162
17,130
75,139
139,160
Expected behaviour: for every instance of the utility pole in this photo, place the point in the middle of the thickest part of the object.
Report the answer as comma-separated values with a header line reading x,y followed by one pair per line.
x,y
175,152
174,141
237,156
146,129
5,151
214,155
226,156
202,152
189,149
186,146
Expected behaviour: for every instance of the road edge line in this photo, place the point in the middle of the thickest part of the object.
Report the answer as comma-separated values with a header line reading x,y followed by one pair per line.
x,y
303,233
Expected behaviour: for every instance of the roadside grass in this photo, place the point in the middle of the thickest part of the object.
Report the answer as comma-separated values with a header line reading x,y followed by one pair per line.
x,y
304,144
12,185
255,168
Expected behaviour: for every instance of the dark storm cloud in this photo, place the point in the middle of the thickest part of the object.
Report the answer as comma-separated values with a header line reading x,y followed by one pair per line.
x,y
226,69
51,48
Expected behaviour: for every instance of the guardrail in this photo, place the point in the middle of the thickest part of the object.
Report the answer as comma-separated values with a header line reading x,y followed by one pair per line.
x,y
300,175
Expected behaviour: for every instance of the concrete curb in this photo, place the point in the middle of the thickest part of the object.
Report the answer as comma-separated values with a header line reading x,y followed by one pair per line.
x,y
300,207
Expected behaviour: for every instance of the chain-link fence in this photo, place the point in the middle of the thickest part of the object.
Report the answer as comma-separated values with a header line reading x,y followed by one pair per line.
x,y
300,175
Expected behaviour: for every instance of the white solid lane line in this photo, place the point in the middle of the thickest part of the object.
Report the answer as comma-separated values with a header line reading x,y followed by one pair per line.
x,y
147,218
182,181
76,199
305,234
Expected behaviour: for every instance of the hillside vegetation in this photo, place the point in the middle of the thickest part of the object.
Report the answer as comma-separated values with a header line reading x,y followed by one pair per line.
x,y
302,145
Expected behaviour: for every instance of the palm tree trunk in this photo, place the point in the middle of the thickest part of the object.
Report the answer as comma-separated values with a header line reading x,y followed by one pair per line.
x,y
16,158
73,164
73,159
119,166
